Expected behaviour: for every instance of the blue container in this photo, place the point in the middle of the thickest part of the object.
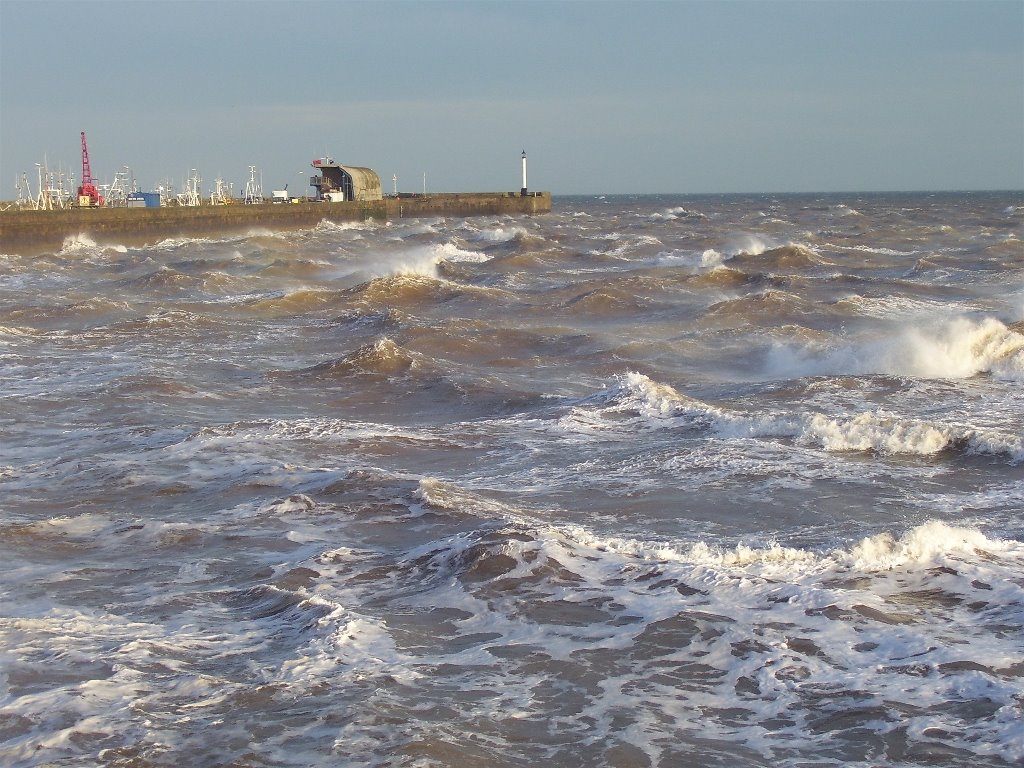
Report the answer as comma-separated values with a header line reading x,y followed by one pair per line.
x,y
144,199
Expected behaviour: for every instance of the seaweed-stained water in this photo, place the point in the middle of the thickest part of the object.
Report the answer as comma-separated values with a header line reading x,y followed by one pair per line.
x,y
650,481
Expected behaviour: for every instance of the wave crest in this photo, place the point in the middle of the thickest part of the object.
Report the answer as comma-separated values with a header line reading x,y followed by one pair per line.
x,y
792,255
382,358
956,349
660,405
926,543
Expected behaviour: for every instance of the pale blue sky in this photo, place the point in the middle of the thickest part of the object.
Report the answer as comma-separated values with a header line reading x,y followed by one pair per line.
x,y
677,96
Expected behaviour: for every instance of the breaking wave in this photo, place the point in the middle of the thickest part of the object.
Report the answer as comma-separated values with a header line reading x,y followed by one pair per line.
x,y
386,494
661,406
81,244
708,259
953,349
768,641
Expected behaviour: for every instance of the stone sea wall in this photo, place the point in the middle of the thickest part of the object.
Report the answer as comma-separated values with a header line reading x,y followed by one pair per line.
x,y
30,232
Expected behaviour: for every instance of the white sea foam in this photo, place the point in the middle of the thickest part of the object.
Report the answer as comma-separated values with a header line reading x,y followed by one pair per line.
x,y
77,525
783,623
881,251
753,569
906,309
500,234
764,638
449,251
625,244
924,545
875,431
81,244
928,543
952,349
751,245
169,243
419,228
706,260
844,210
673,214
419,260
16,332
346,226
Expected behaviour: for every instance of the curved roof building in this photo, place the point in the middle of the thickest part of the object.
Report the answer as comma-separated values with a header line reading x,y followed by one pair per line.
x,y
338,183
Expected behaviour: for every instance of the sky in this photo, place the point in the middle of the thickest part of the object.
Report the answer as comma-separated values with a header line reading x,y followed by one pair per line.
x,y
674,96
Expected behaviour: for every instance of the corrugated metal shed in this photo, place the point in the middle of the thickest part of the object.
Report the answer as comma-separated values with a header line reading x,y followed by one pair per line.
x,y
365,183
351,181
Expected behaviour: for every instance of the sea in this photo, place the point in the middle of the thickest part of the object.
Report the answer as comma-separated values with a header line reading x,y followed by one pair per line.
x,y
663,480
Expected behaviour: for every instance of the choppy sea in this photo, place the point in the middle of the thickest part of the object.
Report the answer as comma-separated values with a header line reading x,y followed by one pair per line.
x,y
647,481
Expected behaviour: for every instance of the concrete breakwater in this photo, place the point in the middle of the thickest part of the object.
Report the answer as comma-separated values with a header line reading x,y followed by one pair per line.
x,y
31,232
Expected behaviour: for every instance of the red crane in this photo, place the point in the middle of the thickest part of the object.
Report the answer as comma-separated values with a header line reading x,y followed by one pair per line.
x,y
88,194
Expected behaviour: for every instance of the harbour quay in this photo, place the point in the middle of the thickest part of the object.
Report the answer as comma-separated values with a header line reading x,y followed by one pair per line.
x,y
30,232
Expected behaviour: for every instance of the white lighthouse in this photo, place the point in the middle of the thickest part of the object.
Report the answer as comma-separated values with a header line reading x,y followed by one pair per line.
x,y
522,192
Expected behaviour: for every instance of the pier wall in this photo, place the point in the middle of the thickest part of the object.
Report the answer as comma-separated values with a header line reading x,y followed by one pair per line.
x,y
31,232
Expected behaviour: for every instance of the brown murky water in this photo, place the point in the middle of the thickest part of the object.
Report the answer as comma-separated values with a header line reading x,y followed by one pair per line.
x,y
648,481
